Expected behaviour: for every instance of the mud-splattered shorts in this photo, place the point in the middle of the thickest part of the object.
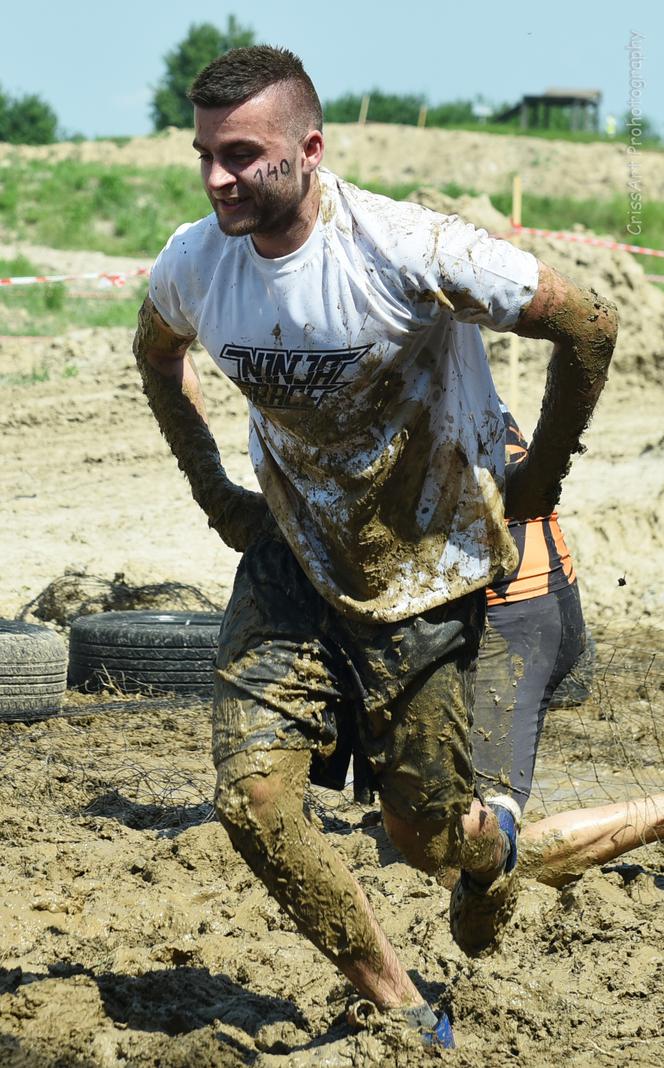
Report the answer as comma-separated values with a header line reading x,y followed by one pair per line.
x,y
293,673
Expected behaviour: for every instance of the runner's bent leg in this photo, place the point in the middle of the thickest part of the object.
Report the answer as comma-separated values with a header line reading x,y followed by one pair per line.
x,y
259,800
278,685
426,786
558,849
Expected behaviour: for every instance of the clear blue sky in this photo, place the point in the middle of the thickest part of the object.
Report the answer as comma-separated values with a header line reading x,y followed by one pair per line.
x,y
97,63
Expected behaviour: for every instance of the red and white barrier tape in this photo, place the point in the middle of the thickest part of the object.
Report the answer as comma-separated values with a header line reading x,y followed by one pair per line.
x,y
105,278
584,239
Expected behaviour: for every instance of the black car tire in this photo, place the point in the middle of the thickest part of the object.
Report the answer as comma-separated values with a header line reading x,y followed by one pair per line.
x,y
145,652
33,671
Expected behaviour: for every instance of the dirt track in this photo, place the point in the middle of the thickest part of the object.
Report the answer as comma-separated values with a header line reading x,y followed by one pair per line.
x,y
131,934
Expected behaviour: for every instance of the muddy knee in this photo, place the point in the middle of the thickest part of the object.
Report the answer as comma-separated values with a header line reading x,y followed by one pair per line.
x,y
484,844
254,788
428,845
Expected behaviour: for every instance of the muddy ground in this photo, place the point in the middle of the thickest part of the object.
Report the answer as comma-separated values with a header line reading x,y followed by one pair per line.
x,y
131,934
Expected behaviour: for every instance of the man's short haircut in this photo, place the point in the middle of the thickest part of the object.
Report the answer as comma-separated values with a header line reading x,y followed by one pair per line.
x,y
241,73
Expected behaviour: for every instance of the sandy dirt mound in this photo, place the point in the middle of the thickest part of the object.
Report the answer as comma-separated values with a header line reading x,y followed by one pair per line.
x,y
391,154
640,350
91,486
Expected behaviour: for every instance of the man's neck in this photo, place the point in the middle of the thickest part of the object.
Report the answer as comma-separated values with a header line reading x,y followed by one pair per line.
x,y
272,246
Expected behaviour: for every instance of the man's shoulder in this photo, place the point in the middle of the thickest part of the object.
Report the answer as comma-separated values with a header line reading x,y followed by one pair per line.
x,y
399,242
196,237
387,231
190,256
379,207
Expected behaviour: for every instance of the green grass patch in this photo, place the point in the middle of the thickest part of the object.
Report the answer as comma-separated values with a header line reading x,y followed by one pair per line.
x,y
119,210
51,309
43,310
40,373
126,210
604,217
123,210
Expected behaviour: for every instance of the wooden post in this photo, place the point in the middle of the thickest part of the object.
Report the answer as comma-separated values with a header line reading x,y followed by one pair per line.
x,y
514,338
422,117
364,109
516,203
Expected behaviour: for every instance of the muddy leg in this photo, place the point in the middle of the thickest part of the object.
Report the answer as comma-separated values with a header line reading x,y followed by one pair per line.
x,y
473,841
559,849
259,800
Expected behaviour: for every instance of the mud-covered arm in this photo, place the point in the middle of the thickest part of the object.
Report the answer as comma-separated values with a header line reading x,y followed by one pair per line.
x,y
583,328
173,390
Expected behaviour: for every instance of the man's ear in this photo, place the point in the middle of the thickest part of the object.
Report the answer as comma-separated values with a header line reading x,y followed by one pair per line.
x,y
313,147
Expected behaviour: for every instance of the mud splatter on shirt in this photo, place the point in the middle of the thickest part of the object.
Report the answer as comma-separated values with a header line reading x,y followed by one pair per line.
x,y
375,430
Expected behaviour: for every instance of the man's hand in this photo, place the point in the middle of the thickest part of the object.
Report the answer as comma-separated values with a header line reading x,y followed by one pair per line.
x,y
583,327
173,390
241,516
528,495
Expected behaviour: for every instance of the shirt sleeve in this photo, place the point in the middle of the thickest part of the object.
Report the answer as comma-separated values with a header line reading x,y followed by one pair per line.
x,y
487,280
164,292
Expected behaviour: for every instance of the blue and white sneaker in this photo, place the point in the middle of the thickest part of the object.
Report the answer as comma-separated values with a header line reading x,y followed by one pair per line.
x,y
479,914
434,1033
442,1034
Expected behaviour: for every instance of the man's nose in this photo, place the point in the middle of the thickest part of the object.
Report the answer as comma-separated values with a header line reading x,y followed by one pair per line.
x,y
218,176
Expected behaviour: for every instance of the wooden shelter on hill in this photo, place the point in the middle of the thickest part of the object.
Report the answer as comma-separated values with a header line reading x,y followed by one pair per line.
x,y
537,111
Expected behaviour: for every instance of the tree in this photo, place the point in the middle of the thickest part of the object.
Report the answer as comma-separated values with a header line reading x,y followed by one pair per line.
x,y
4,108
203,43
404,108
452,113
383,107
27,120
646,127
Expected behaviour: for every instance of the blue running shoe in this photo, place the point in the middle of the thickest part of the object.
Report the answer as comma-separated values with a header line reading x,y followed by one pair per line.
x,y
479,914
442,1034
420,1018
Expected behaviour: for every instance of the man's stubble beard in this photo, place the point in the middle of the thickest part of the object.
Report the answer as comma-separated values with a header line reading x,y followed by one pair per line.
x,y
273,213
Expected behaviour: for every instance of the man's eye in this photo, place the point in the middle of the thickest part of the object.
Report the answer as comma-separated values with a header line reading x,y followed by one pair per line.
x,y
205,156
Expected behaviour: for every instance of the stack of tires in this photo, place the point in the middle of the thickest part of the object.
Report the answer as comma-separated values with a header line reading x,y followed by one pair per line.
x,y
33,671
149,653
145,652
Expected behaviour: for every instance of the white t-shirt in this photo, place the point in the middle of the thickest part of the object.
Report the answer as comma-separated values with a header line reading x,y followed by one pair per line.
x,y
375,430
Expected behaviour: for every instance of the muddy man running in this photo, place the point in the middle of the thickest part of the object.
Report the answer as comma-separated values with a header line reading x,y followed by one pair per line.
x,y
351,323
